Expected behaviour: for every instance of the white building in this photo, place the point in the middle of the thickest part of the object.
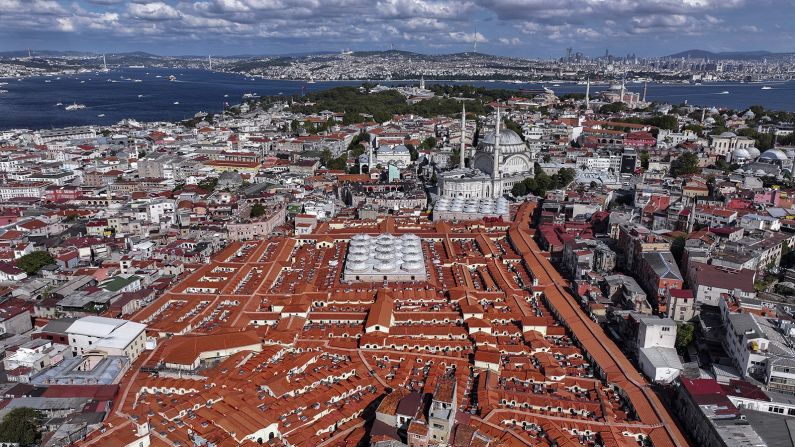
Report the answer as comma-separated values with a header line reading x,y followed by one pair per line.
x,y
600,163
656,332
110,335
746,343
23,189
725,143
660,364
397,155
657,356
759,222
33,356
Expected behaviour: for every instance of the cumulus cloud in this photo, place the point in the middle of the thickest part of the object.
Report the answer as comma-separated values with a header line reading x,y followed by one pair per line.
x,y
321,24
457,36
510,41
153,11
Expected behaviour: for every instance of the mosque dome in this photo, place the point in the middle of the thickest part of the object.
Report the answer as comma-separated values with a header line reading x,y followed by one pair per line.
x,y
754,152
507,138
740,154
773,155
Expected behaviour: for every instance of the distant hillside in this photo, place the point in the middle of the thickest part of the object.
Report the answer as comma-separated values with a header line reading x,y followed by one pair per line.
x,y
703,54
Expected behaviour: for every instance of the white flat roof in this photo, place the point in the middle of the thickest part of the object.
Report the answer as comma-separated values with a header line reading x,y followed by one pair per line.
x,y
114,333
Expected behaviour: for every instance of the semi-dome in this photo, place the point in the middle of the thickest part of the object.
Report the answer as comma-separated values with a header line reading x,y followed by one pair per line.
x,y
773,154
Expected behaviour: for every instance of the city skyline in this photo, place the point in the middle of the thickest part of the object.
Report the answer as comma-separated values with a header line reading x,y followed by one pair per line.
x,y
501,27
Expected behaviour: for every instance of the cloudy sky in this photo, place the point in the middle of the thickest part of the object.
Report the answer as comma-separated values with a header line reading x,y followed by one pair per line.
x,y
530,28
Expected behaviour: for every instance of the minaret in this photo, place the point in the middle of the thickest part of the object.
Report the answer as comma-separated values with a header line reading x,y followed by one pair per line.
x,y
463,134
210,61
703,114
422,82
588,95
496,177
622,91
645,86
370,159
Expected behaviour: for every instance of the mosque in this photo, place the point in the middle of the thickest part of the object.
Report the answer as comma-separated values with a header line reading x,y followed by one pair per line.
x,y
500,160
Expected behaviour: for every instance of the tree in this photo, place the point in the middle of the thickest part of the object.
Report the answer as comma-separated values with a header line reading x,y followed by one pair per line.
x,y
208,184
684,335
455,158
428,143
514,126
519,189
687,163
357,150
21,426
257,210
413,152
644,159
612,108
382,116
33,262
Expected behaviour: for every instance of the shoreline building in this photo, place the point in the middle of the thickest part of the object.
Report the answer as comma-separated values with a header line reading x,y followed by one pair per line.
x,y
500,160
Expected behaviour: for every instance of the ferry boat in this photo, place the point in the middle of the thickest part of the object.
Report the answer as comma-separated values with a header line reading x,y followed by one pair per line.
x,y
75,106
176,103
767,87
725,92
172,78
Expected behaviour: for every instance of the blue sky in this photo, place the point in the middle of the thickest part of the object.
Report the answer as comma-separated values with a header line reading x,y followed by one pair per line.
x,y
528,28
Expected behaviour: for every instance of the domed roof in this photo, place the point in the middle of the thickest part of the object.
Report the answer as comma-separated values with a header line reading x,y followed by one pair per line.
x,y
728,135
773,154
507,138
740,153
753,151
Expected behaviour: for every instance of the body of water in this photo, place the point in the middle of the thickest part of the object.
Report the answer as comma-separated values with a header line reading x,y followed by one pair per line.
x,y
147,94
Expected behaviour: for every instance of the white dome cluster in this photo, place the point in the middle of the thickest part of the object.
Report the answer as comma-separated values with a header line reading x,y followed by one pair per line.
x,y
472,205
385,255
